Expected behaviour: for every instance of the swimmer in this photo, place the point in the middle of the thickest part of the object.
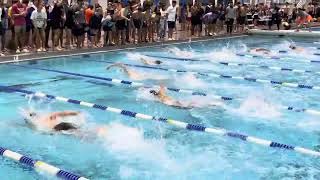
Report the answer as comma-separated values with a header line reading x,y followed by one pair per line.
x,y
165,99
260,51
51,121
295,48
135,75
55,122
132,74
150,62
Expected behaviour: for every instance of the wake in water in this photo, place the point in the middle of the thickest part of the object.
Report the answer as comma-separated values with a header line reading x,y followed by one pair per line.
x,y
257,106
179,53
191,102
135,74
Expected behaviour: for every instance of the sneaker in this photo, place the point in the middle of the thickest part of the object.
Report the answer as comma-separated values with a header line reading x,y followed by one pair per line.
x,y
25,50
1,54
39,50
18,51
170,39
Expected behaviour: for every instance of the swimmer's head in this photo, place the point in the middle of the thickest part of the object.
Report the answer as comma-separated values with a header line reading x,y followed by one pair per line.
x,y
158,62
154,92
292,47
64,127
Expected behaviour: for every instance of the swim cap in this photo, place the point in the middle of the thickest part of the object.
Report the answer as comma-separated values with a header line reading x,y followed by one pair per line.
x,y
64,127
154,92
158,62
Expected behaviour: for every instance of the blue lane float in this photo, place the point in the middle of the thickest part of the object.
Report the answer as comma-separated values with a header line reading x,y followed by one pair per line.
x,y
250,79
176,123
225,98
39,165
113,80
276,68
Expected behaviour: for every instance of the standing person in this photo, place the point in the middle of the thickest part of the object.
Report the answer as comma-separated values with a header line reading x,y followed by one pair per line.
x,y
57,24
242,17
172,12
163,23
89,12
231,14
276,18
69,25
1,29
107,26
120,19
39,21
137,25
183,17
79,25
4,25
29,26
18,14
48,28
95,26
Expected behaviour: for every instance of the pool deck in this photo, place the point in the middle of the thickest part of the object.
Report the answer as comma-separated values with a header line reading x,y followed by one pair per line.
x,y
84,51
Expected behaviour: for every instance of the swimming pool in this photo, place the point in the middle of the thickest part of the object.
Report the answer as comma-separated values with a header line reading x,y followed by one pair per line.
x,y
139,149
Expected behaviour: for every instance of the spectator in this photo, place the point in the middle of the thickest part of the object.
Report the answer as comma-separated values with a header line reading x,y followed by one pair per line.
x,y
107,26
57,24
172,12
1,29
231,14
18,14
39,21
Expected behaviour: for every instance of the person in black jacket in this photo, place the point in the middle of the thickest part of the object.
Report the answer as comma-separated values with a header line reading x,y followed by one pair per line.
x,y
95,26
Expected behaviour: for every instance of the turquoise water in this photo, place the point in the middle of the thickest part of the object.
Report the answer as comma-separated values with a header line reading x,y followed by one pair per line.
x,y
140,149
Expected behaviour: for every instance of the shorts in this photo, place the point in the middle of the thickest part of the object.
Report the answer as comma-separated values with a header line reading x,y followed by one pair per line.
x,y
121,25
137,23
2,30
93,32
21,30
29,27
195,20
242,20
171,24
78,30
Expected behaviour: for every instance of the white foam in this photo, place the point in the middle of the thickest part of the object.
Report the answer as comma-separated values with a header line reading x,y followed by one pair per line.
x,y
130,141
258,106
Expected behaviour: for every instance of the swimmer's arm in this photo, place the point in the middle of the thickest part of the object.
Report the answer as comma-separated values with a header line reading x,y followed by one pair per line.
x,y
65,113
162,91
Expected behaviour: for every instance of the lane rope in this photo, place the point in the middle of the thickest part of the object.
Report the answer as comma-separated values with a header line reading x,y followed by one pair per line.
x,y
39,165
263,81
218,62
176,123
116,81
225,98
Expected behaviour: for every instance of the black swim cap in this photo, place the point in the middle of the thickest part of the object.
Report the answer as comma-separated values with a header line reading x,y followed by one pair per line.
x,y
154,92
64,127
158,62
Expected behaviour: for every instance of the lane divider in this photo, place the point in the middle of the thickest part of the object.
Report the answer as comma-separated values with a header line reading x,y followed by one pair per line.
x,y
176,123
39,165
247,55
250,79
116,81
218,62
225,98
275,58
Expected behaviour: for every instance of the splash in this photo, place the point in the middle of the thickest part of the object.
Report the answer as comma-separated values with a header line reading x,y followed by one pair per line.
x,y
257,106
130,141
189,80
180,53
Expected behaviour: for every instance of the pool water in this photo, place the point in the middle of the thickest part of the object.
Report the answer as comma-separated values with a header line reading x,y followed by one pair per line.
x,y
140,149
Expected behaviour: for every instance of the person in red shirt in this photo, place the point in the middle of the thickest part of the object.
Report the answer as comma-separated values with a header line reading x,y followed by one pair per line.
x,y
18,14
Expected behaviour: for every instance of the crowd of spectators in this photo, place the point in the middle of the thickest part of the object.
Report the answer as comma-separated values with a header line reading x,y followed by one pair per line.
x,y
28,25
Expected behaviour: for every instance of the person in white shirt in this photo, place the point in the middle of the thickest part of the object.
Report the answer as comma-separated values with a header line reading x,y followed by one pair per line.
x,y
231,14
171,12
39,21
